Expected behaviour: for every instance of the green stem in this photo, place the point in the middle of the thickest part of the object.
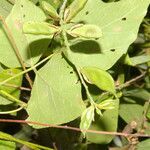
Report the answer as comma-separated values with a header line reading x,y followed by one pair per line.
x,y
27,70
11,98
86,87
78,71
8,137
12,111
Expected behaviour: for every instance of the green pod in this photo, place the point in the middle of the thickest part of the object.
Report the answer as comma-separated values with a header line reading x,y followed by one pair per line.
x,y
86,31
50,10
73,9
40,28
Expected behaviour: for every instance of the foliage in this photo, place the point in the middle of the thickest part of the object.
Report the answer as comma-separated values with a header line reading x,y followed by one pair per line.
x,y
80,63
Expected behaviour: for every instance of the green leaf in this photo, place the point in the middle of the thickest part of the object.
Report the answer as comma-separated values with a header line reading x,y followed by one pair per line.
x,y
14,91
87,118
56,94
53,3
7,145
40,28
73,9
119,23
86,31
130,115
140,59
137,93
30,47
50,10
107,122
99,77
144,145
106,104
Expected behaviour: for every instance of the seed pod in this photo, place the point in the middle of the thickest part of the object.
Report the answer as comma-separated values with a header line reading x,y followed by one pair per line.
x,y
73,9
86,31
50,10
40,28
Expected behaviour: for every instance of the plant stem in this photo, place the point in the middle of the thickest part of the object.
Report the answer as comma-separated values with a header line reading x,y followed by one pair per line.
x,y
12,111
128,83
86,87
78,70
27,70
13,99
8,137
12,41
74,128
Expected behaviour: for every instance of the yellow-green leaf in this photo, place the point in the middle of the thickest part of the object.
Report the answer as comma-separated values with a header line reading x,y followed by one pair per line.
x,y
86,118
50,10
40,28
86,31
100,78
73,9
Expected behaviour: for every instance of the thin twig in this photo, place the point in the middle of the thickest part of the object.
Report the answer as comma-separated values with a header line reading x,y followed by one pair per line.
x,y
12,41
12,111
27,70
128,83
73,128
18,87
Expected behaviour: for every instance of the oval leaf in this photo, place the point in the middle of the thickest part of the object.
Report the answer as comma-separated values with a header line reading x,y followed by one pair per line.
x,y
86,31
99,77
40,28
50,10
86,118
73,9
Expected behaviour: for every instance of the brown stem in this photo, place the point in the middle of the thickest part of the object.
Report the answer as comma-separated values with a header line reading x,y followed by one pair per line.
x,y
128,83
74,128
12,41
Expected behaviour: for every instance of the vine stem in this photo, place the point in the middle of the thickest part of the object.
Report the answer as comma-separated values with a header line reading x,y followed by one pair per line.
x,y
12,41
27,70
12,111
74,128
13,99
6,136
